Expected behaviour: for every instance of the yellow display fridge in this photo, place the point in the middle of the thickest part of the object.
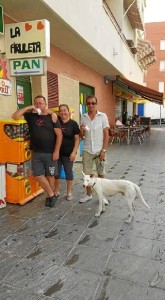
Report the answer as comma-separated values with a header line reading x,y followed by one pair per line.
x,y
21,186
14,140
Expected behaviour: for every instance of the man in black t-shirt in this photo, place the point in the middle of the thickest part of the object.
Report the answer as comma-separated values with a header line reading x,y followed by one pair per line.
x,y
45,142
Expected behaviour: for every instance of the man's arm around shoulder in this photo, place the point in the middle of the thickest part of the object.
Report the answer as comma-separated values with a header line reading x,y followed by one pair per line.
x,y
18,114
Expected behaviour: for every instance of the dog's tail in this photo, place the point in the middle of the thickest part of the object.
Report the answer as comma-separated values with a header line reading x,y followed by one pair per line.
x,y
140,196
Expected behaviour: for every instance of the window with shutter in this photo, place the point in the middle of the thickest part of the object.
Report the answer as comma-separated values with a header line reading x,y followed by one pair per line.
x,y
53,96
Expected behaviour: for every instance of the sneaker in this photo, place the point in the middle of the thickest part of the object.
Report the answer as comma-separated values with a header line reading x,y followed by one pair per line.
x,y
69,197
2,203
52,201
47,202
85,198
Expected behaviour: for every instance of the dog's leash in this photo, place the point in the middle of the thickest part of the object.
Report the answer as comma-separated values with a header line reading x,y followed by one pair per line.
x,y
95,157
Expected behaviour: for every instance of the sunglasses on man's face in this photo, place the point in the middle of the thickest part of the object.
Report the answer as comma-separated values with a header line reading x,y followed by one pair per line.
x,y
91,103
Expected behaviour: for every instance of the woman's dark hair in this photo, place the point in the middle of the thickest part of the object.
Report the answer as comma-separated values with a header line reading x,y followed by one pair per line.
x,y
66,105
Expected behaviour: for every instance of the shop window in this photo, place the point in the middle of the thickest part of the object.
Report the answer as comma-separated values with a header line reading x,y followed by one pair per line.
x,y
162,65
23,92
162,45
161,86
85,90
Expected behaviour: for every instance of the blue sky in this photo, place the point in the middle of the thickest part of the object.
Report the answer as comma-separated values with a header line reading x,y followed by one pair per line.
x,y
155,11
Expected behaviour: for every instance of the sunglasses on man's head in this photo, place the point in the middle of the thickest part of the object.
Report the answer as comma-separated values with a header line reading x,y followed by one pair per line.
x,y
91,103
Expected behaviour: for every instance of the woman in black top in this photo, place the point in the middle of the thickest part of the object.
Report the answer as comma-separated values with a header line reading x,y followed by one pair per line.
x,y
68,150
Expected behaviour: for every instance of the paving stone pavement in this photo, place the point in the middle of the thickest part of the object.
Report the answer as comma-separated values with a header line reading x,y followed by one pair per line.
x,y
65,253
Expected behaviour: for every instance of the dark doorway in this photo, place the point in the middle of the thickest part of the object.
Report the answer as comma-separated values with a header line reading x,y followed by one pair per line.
x,y
124,112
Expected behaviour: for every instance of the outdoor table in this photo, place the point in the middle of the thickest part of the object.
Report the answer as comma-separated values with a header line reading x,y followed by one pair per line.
x,y
128,129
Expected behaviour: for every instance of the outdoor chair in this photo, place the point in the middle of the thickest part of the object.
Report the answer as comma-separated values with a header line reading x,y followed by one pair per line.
x,y
136,135
117,135
112,135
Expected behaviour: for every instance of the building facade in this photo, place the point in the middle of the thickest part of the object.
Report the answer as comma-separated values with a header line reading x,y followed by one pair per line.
x,y
92,42
155,75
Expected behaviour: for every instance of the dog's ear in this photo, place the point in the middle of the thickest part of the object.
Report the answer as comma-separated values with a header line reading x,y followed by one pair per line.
x,y
83,173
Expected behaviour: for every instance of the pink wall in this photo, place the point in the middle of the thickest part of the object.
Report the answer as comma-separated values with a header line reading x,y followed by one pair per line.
x,y
154,32
62,63
8,20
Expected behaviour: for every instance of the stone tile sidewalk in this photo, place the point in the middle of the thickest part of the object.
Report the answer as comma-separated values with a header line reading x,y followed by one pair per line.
x,y
65,253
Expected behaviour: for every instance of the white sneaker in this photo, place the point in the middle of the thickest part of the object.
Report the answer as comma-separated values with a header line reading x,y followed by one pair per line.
x,y
85,198
69,197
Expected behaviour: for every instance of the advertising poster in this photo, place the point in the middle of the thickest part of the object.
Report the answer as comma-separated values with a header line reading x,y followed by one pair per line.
x,y
5,83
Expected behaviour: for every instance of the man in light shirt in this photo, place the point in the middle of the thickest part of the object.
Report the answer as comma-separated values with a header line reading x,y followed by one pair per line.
x,y
118,122
94,128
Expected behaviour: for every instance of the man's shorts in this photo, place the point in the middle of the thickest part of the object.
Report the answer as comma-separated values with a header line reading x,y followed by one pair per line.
x,y
43,164
92,164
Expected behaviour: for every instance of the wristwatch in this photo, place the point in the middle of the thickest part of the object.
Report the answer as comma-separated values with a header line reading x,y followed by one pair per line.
x,y
104,150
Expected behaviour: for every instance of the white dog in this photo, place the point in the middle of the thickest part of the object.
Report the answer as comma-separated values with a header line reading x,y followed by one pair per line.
x,y
103,186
